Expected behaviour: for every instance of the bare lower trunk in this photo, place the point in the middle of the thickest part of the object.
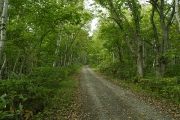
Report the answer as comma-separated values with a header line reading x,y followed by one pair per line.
x,y
55,63
160,67
120,54
177,12
3,66
162,60
57,50
140,61
22,65
14,68
70,59
144,55
3,27
66,51
64,60
113,57
61,60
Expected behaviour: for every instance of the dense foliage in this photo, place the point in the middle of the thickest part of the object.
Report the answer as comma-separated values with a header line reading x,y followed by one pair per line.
x,y
38,94
43,42
43,48
139,43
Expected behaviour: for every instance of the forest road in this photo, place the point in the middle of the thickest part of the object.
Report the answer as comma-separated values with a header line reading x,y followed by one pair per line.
x,y
103,100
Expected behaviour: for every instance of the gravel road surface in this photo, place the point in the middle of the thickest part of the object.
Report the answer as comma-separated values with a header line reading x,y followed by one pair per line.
x,y
103,100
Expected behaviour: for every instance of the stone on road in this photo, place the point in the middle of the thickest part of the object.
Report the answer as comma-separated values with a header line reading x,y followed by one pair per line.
x,y
103,100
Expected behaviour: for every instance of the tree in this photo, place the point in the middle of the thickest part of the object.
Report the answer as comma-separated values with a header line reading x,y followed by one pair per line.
x,y
117,13
177,12
165,13
33,31
3,24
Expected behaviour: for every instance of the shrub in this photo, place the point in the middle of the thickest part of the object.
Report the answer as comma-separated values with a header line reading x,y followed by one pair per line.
x,y
172,70
20,98
163,87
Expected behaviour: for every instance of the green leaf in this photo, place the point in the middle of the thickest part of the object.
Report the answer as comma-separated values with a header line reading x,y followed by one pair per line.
x,y
2,98
20,107
23,98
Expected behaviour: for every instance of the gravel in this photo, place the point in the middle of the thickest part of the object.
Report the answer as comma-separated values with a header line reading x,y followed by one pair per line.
x,y
103,100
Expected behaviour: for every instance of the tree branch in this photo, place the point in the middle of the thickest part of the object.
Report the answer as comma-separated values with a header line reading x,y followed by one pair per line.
x,y
172,15
155,5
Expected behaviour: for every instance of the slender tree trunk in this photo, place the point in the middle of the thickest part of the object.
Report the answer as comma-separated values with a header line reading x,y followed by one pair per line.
x,y
64,60
3,67
156,44
22,65
55,63
71,58
3,27
66,51
140,58
113,58
144,55
57,50
1,6
61,60
119,53
40,44
14,68
177,13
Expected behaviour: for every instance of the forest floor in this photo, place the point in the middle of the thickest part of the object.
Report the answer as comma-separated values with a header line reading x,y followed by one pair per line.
x,y
104,100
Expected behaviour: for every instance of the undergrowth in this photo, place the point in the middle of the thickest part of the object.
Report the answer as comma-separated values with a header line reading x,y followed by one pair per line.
x,y
38,95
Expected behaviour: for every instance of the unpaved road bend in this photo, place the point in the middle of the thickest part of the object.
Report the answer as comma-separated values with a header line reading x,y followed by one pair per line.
x,y
103,100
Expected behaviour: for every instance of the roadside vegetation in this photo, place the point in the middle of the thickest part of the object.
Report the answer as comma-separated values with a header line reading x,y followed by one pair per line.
x,y
165,88
41,48
43,43
137,45
46,93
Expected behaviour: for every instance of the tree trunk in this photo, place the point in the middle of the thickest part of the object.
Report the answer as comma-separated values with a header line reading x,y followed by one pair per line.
x,y
177,13
66,51
113,57
161,47
14,68
119,53
144,55
55,63
3,27
1,6
3,67
162,59
64,60
57,50
121,19
40,44
140,59
70,59
165,48
22,65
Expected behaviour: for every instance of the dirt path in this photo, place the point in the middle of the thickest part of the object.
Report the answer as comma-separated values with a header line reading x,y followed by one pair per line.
x,y
103,100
